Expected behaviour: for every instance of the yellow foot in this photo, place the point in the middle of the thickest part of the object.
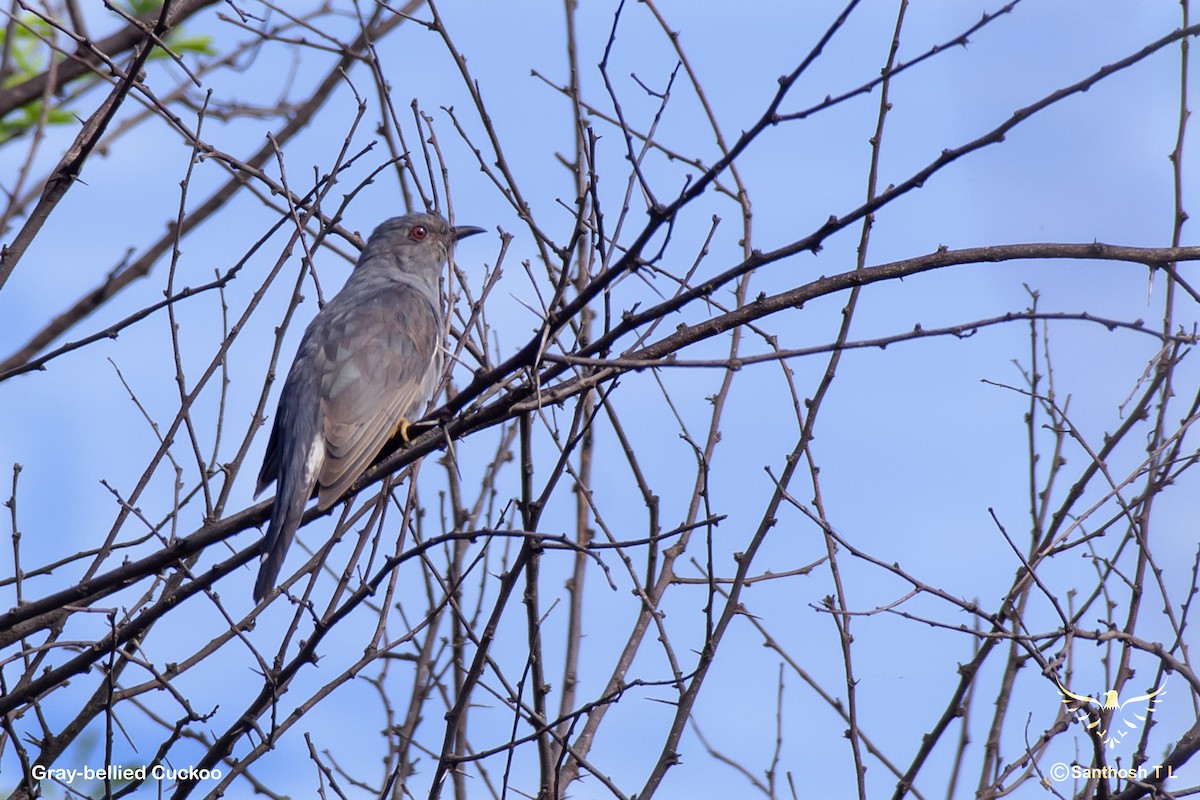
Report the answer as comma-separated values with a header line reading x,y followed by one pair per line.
x,y
407,431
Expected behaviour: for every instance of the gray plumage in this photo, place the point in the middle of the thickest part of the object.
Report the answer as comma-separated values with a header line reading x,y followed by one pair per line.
x,y
367,363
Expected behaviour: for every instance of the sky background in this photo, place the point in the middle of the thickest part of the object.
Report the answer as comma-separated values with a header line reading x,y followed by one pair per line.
x,y
915,443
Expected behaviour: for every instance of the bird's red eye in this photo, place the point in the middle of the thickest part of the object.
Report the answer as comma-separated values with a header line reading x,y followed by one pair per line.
x,y
418,232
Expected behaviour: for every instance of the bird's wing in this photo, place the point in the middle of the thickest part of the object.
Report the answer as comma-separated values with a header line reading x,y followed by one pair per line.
x,y
1142,697
1084,700
269,470
1136,710
301,392
381,363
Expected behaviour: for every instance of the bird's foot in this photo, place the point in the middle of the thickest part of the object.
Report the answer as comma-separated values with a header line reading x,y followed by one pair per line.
x,y
407,431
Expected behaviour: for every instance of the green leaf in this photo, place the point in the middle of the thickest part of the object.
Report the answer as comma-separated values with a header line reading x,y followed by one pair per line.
x,y
192,44
140,8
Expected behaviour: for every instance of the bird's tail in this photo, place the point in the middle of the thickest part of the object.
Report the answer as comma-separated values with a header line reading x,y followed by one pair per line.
x,y
286,514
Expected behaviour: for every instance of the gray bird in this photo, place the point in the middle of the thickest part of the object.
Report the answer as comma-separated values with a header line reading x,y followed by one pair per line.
x,y
367,363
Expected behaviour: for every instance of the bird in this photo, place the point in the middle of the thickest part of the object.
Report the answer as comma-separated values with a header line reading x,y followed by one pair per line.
x,y
367,363
1121,724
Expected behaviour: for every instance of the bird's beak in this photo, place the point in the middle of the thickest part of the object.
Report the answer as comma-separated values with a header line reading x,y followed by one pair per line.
x,y
463,231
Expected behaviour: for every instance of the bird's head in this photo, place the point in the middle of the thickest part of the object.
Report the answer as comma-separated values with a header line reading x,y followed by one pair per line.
x,y
415,243
1110,699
